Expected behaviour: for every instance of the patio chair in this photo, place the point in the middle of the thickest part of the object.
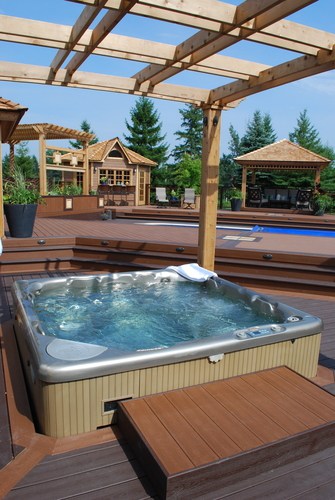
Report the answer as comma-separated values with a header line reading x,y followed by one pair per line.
x,y
189,197
303,199
161,197
255,197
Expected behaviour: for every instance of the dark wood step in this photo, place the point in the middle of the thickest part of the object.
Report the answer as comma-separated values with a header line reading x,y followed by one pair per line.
x,y
197,440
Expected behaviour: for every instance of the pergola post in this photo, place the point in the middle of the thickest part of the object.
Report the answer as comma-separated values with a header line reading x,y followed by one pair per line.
x,y
244,185
209,188
42,162
86,182
11,158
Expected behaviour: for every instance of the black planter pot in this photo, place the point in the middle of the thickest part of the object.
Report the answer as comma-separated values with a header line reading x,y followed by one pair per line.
x,y
20,219
235,204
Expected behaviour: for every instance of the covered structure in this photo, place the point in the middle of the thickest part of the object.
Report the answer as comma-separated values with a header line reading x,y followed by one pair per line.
x,y
119,166
10,115
47,131
283,155
216,26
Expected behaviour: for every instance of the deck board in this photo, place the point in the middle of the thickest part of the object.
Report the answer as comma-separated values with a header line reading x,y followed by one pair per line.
x,y
256,411
309,477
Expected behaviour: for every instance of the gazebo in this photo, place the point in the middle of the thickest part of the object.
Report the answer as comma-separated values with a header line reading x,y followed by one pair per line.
x,y
281,155
48,131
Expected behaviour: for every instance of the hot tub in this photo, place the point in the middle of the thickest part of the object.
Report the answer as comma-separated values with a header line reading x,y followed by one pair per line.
x,y
76,373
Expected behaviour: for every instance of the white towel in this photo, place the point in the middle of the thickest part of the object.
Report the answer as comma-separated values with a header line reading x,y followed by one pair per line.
x,y
193,272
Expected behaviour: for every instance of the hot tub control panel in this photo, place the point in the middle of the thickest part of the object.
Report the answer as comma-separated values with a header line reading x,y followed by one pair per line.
x,y
260,331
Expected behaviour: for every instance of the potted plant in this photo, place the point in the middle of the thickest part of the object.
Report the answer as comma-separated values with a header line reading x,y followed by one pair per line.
x,y
235,196
103,180
20,199
321,203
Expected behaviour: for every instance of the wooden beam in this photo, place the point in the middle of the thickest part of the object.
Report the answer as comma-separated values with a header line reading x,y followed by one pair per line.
x,y
26,73
209,188
301,38
204,44
107,23
81,25
301,67
119,46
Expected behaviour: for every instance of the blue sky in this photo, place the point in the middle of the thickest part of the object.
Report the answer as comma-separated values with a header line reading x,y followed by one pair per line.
x,y
107,112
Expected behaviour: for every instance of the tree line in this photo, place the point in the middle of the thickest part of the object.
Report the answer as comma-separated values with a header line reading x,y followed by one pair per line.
x,y
182,167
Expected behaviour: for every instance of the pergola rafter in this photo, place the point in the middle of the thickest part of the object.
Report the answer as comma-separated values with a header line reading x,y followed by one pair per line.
x,y
217,26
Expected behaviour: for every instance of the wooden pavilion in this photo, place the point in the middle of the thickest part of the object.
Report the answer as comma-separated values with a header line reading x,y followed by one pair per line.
x,y
123,168
47,131
283,155
216,26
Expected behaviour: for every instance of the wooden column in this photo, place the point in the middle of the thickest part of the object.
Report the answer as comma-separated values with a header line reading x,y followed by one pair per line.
x,y
86,187
317,176
43,167
11,158
209,188
244,185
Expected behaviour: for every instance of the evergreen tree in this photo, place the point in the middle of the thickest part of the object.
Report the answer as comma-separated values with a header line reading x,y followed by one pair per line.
x,y
190,137
305,134
259,133
27,164
145,132
85,127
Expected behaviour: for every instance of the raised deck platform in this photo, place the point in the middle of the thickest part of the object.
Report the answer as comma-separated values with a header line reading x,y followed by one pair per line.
x,y
194,441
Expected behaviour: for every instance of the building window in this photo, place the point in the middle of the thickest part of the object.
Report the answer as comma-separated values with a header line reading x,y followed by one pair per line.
x,y
80,179
115,154
115,176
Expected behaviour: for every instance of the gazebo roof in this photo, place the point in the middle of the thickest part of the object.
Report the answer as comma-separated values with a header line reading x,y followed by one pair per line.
x,y
31,132
99,151
10,115
282,155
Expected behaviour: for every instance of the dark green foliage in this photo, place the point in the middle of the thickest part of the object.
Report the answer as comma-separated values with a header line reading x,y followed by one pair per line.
x,y
85,127
18,190
145,132
305,134
259,133
190,135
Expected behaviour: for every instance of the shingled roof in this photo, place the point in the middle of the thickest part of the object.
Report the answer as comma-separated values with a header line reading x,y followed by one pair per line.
x,y
10,115
283,154
99,151
32,132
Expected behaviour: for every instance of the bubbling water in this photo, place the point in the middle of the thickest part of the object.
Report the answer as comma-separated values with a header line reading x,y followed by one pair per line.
x,y
142,316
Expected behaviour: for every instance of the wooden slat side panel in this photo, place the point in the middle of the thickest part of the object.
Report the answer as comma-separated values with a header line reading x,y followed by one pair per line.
x,y
163,445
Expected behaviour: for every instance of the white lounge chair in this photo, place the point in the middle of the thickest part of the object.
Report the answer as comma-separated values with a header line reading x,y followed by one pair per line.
x,y
189,197
161,197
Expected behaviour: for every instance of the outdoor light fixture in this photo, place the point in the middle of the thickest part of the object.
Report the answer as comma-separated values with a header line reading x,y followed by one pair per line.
x,y
57,157
74,161
205,121
215,121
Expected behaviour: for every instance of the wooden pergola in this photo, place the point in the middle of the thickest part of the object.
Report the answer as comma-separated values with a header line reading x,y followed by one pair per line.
x,y
279,156
217,26
42,132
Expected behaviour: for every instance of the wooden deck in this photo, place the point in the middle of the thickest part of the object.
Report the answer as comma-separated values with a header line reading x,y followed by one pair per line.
x,y
100,465
197,440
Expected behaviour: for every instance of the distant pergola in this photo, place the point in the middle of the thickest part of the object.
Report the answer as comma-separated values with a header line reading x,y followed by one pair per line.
x,y
219,25
283,155
46,131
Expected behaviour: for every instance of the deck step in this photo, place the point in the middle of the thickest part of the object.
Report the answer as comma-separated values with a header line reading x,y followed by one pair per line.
x,y
194,441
